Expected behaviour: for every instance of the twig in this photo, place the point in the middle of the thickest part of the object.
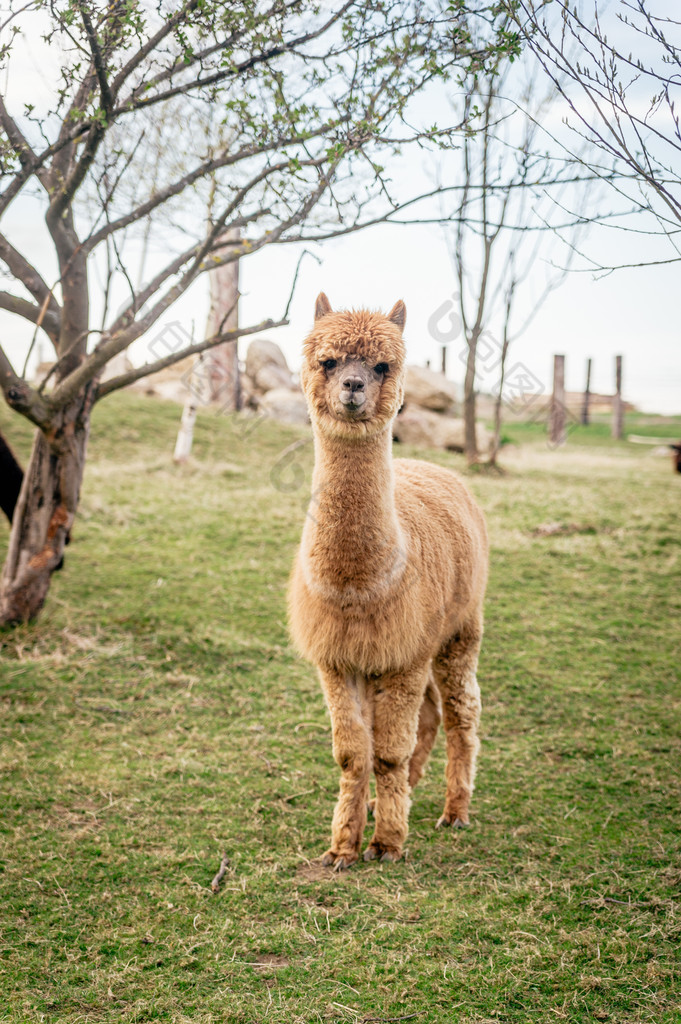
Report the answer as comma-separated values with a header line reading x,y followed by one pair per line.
x,y
385,1020
310,725
106,709
38,325
224,865
305,252
295,796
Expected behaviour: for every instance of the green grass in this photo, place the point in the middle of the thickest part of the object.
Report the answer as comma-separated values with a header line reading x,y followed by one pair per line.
x,y
155,716
599,431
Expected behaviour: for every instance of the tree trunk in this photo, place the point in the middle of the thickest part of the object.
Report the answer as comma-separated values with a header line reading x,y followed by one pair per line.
x,y
185,435
496,440
45,511
215,377
221,362
469,417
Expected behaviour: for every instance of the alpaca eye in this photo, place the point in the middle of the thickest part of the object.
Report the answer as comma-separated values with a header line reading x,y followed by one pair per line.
x,y
330,364
382,368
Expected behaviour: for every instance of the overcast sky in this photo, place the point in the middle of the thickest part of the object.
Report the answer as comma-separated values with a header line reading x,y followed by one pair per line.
x,y
630,312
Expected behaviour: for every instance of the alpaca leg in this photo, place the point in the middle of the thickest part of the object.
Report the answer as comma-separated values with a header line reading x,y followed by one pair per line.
x,y
396,705
455,673
430,716
350,711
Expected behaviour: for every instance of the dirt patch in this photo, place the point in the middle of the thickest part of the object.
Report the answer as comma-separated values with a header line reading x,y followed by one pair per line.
x,y
314,871
564,529
79,822
266,963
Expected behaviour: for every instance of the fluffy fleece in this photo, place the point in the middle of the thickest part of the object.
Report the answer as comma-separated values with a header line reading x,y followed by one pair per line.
x,y
387,588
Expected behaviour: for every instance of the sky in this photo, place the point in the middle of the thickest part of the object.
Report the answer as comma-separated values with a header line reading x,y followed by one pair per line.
x,y
631,312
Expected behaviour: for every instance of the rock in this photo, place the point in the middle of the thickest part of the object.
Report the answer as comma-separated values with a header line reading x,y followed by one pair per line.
x,y
115,367
173,383
284,405
266,367
430,390
249,398
425,429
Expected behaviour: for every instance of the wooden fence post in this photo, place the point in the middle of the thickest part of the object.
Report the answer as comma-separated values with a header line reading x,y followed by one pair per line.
x,y
617,403
587,395
557,415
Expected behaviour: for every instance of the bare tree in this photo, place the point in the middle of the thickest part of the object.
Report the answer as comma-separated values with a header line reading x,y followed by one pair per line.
x,y
617,68
502,226
310,96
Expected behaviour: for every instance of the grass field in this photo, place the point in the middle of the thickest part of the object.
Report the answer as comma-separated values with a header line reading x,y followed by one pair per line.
x,y
156,717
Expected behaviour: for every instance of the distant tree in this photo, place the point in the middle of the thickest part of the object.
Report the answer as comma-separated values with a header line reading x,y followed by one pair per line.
x,y
617,68
305,98
501,227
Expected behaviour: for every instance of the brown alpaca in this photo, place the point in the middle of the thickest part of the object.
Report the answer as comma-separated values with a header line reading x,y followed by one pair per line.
x,y
387,588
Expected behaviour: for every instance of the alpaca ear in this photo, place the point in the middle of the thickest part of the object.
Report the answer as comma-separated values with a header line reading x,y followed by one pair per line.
x,y
322,306
397,315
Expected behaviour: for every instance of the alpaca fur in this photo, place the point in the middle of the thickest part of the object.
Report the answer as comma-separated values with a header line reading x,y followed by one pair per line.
x,y
387,588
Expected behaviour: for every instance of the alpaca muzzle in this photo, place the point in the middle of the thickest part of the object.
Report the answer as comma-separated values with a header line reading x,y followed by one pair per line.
x,y
352,393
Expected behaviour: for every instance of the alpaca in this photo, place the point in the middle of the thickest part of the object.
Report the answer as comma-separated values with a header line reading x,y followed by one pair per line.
x,y
387,588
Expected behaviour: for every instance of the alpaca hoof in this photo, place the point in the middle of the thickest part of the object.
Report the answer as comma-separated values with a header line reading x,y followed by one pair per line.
x,y
338,861
391,855
377,851
371,808
445,822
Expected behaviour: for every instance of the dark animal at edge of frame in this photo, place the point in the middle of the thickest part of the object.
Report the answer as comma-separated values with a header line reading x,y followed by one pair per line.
x,y
11,479
676,457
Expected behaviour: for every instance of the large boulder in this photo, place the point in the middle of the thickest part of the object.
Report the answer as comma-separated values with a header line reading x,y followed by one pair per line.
x,y
425,429
284,405
430,390
266,367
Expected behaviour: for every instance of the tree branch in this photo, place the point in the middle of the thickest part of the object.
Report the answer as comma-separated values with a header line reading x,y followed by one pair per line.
x,y
203,170
20,396
28,275
19,143
110,346
124,379
231,72
38,315
97,58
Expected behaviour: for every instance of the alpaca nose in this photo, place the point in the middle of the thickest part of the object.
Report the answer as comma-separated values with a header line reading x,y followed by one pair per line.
x,y
352,392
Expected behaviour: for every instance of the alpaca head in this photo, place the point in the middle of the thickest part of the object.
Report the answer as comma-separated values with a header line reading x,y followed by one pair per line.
x,y
353,369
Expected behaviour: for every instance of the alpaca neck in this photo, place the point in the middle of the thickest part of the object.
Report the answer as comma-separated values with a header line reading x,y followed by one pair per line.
x,y
352,536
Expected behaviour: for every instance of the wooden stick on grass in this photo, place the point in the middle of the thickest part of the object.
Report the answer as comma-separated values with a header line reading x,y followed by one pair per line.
x,y
224,865
384,1020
